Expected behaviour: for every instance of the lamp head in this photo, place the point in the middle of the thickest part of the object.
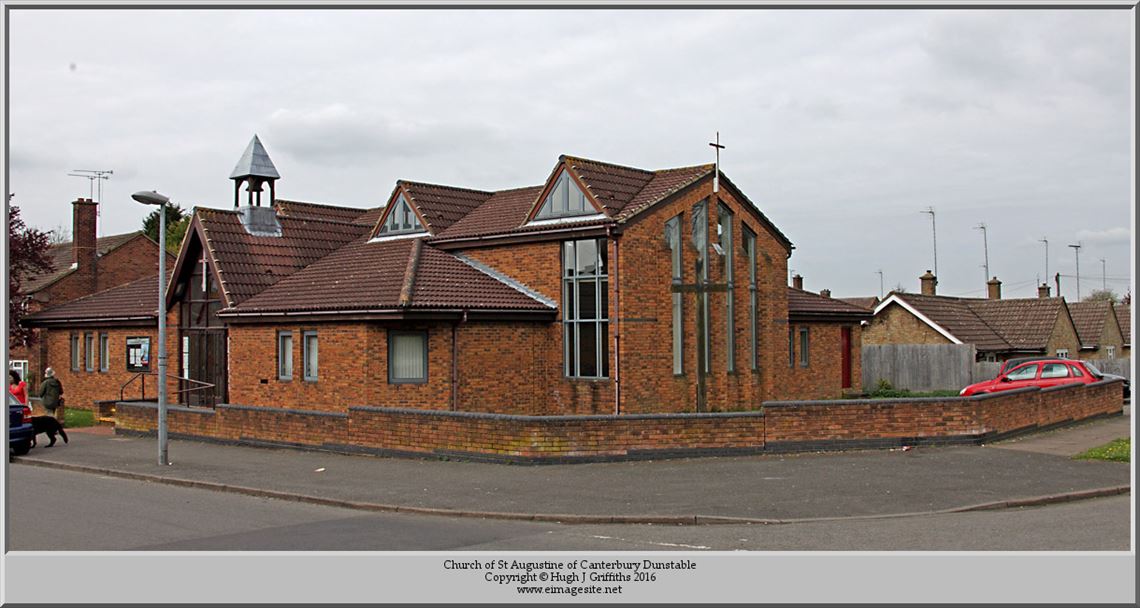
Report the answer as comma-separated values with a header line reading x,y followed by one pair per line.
x,y
150,197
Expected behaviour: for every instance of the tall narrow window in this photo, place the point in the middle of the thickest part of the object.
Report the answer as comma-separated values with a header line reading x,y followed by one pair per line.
x,y
89,352
185,356
673,239
750,253
104,353
791,346
407,357
284,355
724,234
585,308
700,241
565,199
401,219
309,355
74,352
803,347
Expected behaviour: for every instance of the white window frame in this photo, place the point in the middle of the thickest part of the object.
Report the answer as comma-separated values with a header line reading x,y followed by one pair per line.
x,y
392,377
310,374
572,321
1062,353
284,359
89,351
104,352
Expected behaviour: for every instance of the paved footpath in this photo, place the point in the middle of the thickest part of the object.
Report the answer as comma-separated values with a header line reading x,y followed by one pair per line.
x,y
769,488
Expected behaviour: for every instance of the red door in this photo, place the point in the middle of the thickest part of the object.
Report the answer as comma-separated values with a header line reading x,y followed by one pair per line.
x,y
845,344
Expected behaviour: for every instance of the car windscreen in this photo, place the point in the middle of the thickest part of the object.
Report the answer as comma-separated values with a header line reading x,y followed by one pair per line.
x,y
1093,370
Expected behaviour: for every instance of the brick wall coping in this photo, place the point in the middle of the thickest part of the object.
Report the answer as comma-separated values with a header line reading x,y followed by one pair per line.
x,y
170,407
283,410
539,419
896,400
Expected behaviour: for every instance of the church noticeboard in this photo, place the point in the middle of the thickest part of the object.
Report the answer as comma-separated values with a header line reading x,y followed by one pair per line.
x,y
138,354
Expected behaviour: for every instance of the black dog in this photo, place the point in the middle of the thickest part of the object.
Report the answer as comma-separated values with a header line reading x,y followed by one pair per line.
x,y
49,425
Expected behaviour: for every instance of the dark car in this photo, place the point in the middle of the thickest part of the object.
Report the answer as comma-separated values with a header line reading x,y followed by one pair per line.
x,y
20,430
1042,372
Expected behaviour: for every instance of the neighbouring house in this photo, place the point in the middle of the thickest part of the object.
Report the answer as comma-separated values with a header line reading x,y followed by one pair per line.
x,y
1099,330
82,267
1123,314
998,328
603,290
864,302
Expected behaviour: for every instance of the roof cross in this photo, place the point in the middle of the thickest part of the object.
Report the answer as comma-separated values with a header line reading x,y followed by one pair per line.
x,y
716,174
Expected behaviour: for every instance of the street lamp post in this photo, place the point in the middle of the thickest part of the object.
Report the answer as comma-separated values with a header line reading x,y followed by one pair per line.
x,y
154,198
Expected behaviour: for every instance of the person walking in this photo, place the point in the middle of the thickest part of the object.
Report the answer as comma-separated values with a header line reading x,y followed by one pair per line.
x,y
17,387
51,394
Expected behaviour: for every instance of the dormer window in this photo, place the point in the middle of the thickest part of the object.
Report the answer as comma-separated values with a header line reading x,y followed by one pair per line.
x,y
565,200
401,219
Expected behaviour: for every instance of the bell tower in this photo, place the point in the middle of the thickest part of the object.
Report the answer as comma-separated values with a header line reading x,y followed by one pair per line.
x,y
254,168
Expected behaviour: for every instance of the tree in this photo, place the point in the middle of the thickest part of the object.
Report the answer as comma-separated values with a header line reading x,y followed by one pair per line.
x,y
59,235
176,224
1102,295
27,257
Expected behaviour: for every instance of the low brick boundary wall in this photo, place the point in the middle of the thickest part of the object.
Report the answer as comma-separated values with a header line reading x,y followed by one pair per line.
x,y
781,426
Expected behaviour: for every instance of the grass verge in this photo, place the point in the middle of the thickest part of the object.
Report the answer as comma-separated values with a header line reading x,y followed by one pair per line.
x,y
1116,451
74,418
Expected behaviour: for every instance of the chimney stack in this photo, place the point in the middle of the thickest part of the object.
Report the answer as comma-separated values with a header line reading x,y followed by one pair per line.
x,y
994,288
929,282
1043,290
798,282
826,293
83,243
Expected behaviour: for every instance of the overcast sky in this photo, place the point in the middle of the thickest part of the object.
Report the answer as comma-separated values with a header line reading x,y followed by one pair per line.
x,y
841,125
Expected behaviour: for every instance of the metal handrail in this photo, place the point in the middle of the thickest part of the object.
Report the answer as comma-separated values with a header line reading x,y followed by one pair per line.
x,y
143,375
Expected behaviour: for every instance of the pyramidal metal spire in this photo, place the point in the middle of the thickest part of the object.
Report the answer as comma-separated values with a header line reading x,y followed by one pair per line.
x,y
255,162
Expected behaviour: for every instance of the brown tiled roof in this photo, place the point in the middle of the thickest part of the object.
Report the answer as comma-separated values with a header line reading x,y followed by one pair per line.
x,y
1022,324
868,302
663,183
441,206
1025,323
135,300
613,186
1124,317
1089,318
503,212
61,256
320,211
370,276
248,264
805,304
955,316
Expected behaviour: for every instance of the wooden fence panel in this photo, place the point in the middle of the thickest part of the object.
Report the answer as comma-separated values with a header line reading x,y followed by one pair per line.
x,y
918,367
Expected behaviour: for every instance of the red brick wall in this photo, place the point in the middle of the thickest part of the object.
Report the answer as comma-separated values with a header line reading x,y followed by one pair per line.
x,y
83,388
539,267
823,376
781,425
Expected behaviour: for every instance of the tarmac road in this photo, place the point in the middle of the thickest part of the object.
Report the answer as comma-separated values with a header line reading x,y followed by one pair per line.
x,y
62,510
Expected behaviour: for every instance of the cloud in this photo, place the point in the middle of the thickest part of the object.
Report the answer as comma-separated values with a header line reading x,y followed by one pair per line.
x,y
1109,236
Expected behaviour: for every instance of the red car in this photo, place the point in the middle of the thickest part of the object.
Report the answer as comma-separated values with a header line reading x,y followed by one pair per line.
x,y
1042,373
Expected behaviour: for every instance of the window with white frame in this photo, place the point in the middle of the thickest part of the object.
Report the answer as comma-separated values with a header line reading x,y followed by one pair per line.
x,y
309,354
104,352
284,355
585,306
564,200
401,219
750,253
1110,351
89,352
74,352
673,239
700,240
407,357
804,361
1063,353
724,234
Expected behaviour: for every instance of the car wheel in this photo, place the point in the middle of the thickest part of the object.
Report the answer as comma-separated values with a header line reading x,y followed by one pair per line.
x,y
22,448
